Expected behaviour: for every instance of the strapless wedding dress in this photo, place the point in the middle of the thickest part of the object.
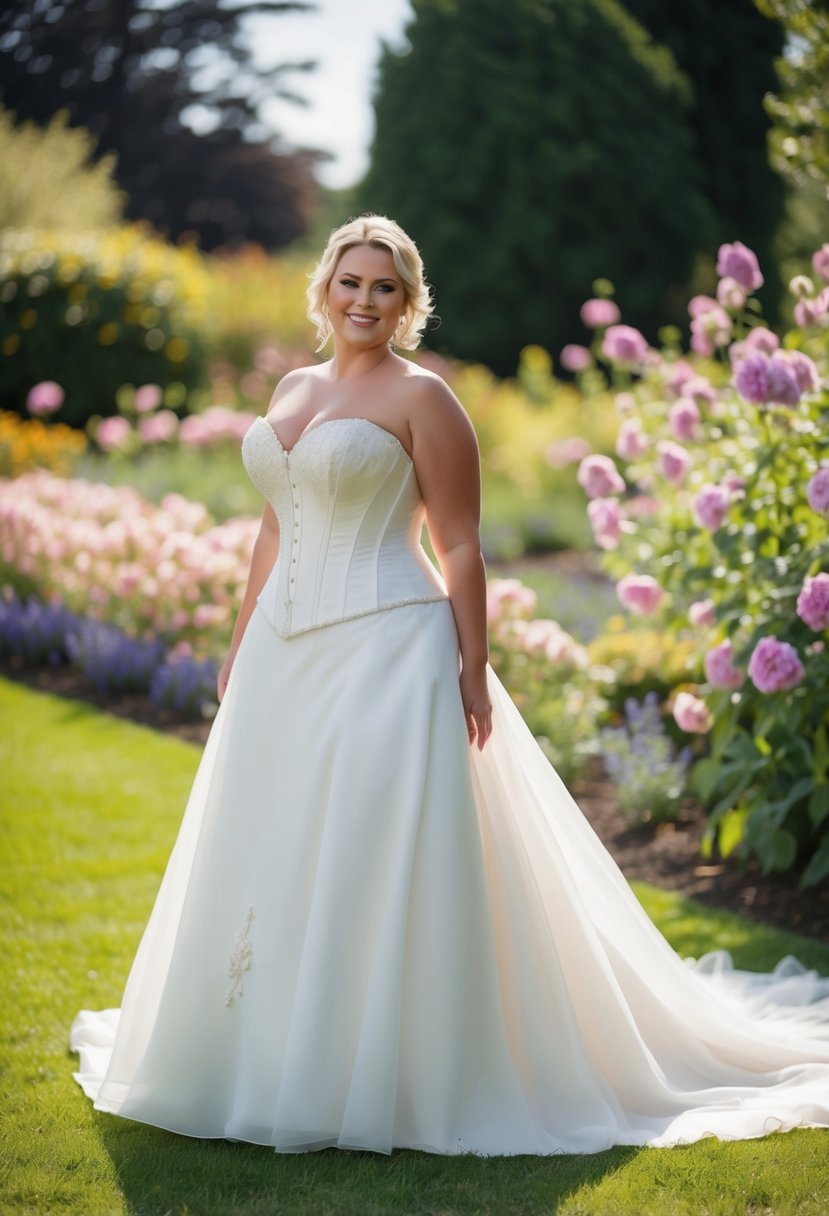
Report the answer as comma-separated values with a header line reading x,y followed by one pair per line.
x,y
371,936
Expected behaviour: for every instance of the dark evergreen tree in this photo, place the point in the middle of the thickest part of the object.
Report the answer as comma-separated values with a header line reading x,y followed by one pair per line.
x,y
129,72
728,49
529,151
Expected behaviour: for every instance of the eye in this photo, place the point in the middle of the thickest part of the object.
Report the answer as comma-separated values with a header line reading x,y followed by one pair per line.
x,y
349,282
386,287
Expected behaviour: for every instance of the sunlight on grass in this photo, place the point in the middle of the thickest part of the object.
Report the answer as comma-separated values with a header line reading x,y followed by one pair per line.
x,y
91,805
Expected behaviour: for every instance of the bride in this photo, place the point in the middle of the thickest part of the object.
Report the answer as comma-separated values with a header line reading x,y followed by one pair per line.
x,y
385,923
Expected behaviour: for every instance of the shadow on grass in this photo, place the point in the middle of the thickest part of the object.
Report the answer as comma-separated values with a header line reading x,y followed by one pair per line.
x,y
161,1174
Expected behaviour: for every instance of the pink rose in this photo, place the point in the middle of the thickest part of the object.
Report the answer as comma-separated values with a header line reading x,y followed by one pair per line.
x,y
624,344
605,519
738,262
147,398
719,667
820,262
817,491
639,593
691,714
710,506
674,461
44,398
575,358
684,419
631,442
113,434
813,602
599,477
597,313
775,666
730,294
701,614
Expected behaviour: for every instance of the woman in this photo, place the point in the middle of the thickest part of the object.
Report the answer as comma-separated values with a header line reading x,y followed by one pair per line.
x,y
370,934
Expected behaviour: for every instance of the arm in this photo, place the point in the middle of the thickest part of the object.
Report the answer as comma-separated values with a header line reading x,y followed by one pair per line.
x,y
265,552
447,463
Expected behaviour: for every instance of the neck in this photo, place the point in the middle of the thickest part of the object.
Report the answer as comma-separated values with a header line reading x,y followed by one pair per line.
x,y
349,364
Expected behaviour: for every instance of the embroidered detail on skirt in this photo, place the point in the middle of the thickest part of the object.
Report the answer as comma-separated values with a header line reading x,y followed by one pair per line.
x,y
240,960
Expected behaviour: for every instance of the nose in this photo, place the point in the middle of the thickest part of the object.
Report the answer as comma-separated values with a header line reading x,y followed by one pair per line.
x,y
365,296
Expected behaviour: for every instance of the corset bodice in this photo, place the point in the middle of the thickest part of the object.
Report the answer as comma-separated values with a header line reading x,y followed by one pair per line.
x,y
349,511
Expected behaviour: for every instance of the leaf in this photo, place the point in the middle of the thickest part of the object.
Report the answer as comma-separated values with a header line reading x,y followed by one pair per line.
x,y
820,755
732,830
818,867
819,803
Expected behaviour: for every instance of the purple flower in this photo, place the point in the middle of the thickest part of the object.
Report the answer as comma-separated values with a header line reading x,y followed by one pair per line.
x,y
605,520
624,344
45,397
740,263
710,506
575,358
719,667
820,262
802,368
597,313
674,461
775,666
763,379
599,477
685,418
813,602
817,491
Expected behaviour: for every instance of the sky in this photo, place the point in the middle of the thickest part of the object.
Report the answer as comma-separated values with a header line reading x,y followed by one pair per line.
x,y
344,37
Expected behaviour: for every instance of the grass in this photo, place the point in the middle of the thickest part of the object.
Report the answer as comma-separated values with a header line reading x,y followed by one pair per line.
x,y
91,805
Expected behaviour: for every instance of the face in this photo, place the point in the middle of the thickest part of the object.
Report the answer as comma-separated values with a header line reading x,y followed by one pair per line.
x,y
365,296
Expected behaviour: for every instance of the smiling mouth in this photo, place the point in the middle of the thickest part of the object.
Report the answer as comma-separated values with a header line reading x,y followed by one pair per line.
x,y
364,322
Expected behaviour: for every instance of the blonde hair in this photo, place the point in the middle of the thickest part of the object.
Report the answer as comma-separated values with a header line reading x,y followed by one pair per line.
x,y
383,233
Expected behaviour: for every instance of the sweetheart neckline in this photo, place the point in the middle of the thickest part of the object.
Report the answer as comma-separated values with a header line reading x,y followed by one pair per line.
x,y
330,422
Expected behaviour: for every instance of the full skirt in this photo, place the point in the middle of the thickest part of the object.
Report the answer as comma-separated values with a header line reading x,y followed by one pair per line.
x,y
372,936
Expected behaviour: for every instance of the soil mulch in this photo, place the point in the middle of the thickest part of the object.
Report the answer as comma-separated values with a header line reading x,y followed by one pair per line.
x,y
666,855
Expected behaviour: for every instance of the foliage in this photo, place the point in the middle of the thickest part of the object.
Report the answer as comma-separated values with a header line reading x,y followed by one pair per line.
x,y
524,177
640,758
85,846
48,180
26,445
724,531
627,661
135,74
94,311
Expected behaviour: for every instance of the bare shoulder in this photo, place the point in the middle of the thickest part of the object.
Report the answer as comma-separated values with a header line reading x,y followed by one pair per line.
x,y
297,378
434,411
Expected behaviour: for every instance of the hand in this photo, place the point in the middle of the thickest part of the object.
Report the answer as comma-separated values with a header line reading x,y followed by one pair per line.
x,y
224,676
477,706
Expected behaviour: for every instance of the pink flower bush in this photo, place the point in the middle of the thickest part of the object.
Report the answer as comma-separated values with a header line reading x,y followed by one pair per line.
x,y
158,428
677,376
710,325
674,461
606,521
719,667
763,379
639,593
710,506
148,397
684,419
632,441
813,311
691,714
597,313
44,398
813,602
217,424
820,262
542,638
575,358
599,477
817,491
113,434
802,368
738,262
564,452
731,295
624,344
775,666
702,614
508,599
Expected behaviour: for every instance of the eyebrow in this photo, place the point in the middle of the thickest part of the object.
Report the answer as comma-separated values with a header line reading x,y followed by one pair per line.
x,y
352,275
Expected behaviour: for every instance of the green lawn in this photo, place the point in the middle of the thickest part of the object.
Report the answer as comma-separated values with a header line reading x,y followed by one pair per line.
x,y
90,809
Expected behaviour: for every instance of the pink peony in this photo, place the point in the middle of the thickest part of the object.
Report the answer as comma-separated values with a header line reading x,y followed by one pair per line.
x,y
674,461
740,263
631,442
802,368
820,262
563,452
719,667
775,666
639,593
599,477
817,491
624,344
113,434
691,714
597,313
730,294
158,428
685,418
44,398
605,519
701,614
763,379
813,602
710,506
147,398
575,358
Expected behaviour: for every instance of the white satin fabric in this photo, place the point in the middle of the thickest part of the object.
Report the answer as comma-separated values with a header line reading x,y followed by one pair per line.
x,y
371,936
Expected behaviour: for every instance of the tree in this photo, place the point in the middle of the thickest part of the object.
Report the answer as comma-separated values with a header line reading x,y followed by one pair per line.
x,y
138,76
530,156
